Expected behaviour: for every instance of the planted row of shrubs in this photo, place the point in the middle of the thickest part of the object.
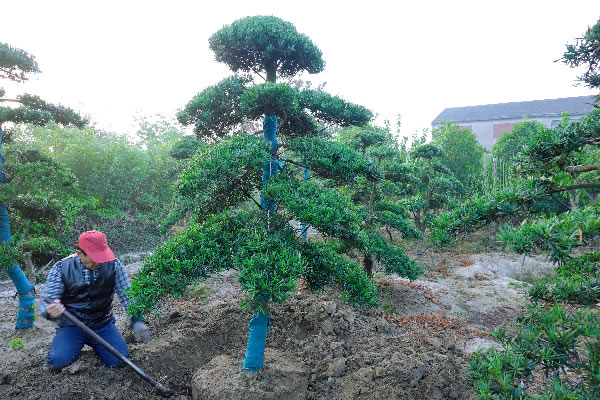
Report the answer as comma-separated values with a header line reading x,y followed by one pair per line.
x,y
558,234
467,216
548,354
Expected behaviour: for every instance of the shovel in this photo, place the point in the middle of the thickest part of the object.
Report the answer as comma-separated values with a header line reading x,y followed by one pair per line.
x,y
163,391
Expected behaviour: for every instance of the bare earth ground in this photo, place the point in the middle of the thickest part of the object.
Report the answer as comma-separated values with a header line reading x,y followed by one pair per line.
x,y
414,347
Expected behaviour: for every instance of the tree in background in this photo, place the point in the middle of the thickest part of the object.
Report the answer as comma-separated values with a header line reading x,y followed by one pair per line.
x,y
16,65
432,184
463,154
125,181
268,253
380,197
510,144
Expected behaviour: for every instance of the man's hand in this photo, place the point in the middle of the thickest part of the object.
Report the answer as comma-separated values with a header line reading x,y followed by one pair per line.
x,y
141,332
55,309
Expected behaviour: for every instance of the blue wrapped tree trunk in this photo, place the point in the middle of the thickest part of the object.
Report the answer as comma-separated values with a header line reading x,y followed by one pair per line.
x,y
25,289
257,333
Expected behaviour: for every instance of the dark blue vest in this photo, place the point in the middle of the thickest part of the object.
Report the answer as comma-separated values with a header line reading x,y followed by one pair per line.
x,y
90,304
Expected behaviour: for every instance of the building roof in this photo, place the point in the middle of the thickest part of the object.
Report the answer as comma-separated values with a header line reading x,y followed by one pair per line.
x,y
530,109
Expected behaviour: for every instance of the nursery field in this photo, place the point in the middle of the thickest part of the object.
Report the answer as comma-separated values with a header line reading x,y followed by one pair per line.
x,y
414,347
282,245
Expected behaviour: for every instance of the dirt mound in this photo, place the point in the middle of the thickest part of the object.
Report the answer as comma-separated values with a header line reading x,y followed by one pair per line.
x,y
413,347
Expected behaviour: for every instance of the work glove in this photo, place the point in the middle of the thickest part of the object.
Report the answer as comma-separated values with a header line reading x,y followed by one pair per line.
x,y
141,332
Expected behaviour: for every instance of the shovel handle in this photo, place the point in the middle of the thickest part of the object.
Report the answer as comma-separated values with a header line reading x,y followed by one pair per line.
x,y
163,391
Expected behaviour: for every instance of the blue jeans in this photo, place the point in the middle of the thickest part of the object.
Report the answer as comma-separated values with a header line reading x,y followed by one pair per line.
x,y
69,341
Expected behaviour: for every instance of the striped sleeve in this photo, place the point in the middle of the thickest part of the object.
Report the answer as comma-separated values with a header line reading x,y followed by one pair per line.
x,y
53,289
122,283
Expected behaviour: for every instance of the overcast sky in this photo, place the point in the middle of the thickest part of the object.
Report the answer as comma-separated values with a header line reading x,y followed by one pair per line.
x,y
115,60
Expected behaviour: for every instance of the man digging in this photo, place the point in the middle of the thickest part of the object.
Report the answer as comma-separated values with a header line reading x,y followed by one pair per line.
x,y
84,284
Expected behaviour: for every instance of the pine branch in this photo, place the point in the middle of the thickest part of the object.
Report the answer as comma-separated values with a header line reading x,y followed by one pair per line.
x,y
581,168
573,187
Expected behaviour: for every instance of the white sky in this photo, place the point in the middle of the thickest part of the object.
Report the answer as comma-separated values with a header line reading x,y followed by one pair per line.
x,y
114,60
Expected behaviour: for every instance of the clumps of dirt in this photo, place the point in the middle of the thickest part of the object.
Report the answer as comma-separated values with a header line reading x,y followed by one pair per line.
x,y
335,351
384,284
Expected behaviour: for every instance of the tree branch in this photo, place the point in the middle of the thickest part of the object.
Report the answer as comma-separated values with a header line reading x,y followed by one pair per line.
x,y
257,72
250,197
581,168
573,187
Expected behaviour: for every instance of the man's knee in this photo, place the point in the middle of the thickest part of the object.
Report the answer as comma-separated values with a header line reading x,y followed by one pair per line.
x,y
58,361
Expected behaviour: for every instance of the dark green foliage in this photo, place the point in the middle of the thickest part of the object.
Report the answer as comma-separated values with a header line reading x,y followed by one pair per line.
x,y
325,267
192,254
510,144
37,189
60,114
393,258
227,172
554,147
265,251
557,234
222,176
300,124
566,158
9,256
15,63
265,43
427,151
44,245
395,215
462,153
329,211
553,340
270,98
214,111
186,147
471,213
23,115
219,109
429,185
333,160
586,53
403,176
333,110
576,281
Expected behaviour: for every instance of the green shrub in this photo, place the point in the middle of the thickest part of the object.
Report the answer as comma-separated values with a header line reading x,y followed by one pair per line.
x,y
552,340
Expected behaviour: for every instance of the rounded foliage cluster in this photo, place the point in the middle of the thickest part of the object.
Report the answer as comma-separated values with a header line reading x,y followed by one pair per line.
x,y
266,43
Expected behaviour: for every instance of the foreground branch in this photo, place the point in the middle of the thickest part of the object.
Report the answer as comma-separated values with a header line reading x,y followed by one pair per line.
x,y
581,168
573,187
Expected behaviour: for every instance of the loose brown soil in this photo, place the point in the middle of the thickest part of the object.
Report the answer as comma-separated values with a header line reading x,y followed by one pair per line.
x,y
414,347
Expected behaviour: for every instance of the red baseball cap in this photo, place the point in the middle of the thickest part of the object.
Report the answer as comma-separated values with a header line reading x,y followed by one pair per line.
x,y
95,245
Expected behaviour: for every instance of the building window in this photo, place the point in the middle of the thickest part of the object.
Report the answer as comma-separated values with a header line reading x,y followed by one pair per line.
x,y
499,129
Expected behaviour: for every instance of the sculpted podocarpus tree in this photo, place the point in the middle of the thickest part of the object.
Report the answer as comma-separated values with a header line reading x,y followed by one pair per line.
x,y
20,186
268,253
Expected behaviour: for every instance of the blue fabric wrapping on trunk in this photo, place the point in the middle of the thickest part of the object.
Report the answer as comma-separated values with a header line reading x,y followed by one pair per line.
x,y
25,313
271,167
26,309
304,227
257,340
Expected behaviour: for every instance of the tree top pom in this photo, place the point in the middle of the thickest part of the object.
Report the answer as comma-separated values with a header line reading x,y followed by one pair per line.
x,y
266,43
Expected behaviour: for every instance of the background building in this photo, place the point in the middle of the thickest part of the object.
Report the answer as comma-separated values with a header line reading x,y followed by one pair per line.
x,y
488,122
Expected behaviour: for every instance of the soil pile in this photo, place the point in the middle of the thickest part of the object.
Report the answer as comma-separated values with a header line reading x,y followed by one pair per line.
x,y
414,347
